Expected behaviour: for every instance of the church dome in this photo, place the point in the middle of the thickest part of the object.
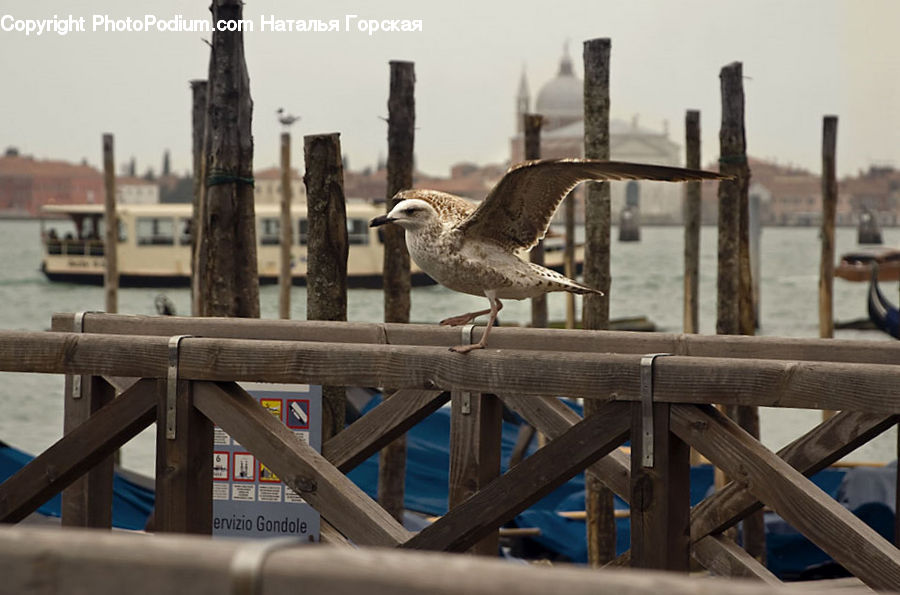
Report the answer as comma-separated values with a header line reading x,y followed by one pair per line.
x,y
561,100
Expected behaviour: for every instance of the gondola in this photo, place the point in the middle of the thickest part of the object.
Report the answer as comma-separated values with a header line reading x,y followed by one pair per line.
x,y
882,313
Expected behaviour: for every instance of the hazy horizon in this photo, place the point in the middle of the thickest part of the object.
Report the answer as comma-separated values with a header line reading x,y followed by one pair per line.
x,y
802,60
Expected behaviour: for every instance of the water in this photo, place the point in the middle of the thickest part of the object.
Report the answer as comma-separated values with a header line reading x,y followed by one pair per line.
x,y
647,280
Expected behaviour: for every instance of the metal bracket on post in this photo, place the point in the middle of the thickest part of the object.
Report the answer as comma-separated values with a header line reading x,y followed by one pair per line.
x,y
247,563
78,327
172,385
647,408
466,332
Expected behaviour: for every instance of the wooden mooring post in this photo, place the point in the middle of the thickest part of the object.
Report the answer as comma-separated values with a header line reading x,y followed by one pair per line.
x,y
735,305
601,522
532,129
111,239
198,150
397,282
692,217
286,231
227,266
327,250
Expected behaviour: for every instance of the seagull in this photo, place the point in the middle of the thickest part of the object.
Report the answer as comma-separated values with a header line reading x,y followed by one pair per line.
x,y
474,249
286,119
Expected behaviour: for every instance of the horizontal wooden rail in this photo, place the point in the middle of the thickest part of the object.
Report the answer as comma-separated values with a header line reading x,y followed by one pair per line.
x,y
77,561
850,351
871,388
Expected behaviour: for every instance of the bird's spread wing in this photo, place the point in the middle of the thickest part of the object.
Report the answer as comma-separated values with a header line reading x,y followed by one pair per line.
x,y
517,212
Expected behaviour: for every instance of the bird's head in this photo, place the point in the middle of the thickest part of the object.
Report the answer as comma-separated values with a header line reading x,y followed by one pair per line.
x,y
409,212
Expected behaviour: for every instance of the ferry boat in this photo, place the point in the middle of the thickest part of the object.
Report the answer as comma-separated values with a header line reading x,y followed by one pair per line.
x,y
154,248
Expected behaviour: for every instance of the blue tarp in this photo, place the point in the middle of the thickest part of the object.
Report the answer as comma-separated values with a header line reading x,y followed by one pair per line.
x,y
132,503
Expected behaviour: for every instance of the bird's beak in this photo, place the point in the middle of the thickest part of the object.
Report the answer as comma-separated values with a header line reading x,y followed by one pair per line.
x,y
380,220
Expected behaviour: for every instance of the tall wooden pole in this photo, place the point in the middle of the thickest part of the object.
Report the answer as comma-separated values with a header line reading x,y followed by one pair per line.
x,y
601,523
286,230
532,128
198,138
692,226
229,279
401,138
829,207
735,303
327,249
111,240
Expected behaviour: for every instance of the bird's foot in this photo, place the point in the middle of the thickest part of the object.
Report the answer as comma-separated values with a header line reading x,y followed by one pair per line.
x,y
466,348
458,320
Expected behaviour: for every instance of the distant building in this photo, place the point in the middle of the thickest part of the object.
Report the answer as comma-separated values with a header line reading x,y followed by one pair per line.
x,y
26,184
136,191
561,102
267,186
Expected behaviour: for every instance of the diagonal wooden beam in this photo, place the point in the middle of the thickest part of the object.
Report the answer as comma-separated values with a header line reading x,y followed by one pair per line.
x,y
380,426
527,482
307,472
78,451
553,418
823,521
723,557
809,454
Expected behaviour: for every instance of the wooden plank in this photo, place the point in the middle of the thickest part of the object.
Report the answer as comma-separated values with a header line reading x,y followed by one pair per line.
x,y
104,562
183,469
809,454
723,557
734,346
527,482
553,418
87,502
817,385
286,231
390,419
660,495
299,466
77,452
800,502
475,432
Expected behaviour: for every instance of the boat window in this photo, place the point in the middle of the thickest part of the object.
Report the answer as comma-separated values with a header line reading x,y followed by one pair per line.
x,y
357,232
185,224
123,230
269,231
155,231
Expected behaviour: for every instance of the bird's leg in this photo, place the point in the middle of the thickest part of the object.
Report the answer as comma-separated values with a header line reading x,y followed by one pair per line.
x,y
496,306
463,318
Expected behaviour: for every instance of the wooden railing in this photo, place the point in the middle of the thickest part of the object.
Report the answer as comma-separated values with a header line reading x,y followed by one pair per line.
x,y
526,370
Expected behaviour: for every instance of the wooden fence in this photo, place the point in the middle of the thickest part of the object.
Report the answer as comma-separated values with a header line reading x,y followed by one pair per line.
x,y
120,367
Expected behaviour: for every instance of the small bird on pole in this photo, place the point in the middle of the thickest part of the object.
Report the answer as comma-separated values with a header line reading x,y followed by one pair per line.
x,y
286,119
474,249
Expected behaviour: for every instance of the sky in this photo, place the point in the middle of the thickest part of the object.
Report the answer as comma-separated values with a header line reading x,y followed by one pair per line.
x,y
802,59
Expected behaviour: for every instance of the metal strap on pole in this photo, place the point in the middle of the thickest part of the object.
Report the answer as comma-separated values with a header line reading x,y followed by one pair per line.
x,y
172,385
78,327
466,337
647,407
248,560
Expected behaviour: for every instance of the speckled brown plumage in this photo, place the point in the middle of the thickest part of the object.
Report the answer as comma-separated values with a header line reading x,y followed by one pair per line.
x,y
474,250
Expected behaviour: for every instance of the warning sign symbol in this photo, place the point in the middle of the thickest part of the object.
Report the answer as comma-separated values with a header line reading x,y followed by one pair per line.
x,y
220,466
244,467
273,406
298,413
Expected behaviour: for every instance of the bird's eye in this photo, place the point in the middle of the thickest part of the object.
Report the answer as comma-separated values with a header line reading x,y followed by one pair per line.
x,y
409,211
